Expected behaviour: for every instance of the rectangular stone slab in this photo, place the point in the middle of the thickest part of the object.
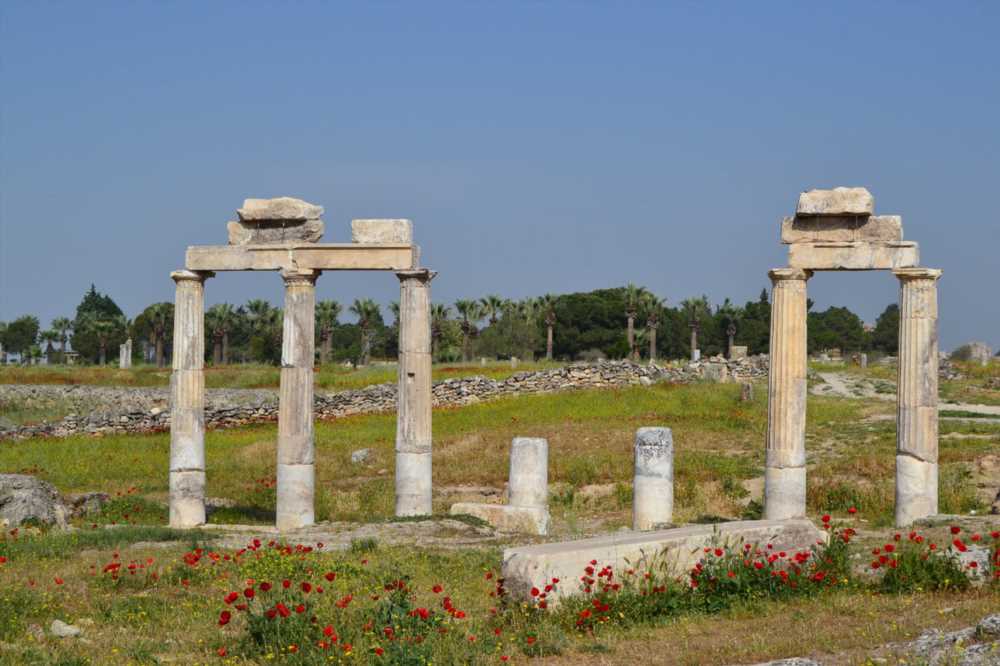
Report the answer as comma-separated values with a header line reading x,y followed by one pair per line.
x,y
838,201
396,232
858,256
882,228
535,566
517,519
291,256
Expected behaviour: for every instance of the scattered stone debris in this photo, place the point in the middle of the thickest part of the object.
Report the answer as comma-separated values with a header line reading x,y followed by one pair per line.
x,y
63,630
23,497
361,456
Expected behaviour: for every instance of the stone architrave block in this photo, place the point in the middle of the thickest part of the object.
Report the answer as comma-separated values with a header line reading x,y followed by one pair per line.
x,y
836,202
280,209
505,518
382,231
858,256
876,228
679,549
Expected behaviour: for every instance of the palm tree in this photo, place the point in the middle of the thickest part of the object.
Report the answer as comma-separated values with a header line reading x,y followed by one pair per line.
x,y
695,309
62,326
48,337
547,306
652,306
367,311
471,312
259,313
439,317
104,329
492,306
219,320
161,320
326,320
730,315
394,310
633,301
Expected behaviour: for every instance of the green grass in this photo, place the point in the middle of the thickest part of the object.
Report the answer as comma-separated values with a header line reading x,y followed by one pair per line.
x,y
62,545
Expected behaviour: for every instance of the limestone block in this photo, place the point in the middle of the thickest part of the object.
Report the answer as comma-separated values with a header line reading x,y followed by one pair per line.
x,y
535,566
884,228
529,472
916,490
516,519
838,201
653,486
296,488
853,256
269,231
784,492
382,232
286,209
738,352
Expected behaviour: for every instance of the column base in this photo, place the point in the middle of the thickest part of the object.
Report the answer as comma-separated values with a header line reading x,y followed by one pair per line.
x,y
784,493
187,499
413,484
652,502
916,490
296,491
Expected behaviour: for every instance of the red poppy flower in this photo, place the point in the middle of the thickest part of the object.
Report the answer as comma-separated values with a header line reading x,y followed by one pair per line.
x,y
224,618
826,518
379,651
265,586
231,597
437,589
286,584
283,610
959,545
330,576
955,529
248,593
301,608
221,652
306,587
852,511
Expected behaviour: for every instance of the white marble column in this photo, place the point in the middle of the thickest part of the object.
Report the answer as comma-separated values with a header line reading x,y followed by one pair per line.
x,y
187,401
529,473
785,471
917,396
296,447
413,418
653,486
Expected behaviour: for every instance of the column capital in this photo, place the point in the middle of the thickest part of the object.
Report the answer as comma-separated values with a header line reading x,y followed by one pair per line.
x,y
781,274
195,276
423,274
905,274
301,277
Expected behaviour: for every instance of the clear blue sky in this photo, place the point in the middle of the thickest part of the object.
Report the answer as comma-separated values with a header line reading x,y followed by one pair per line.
x,y
537,147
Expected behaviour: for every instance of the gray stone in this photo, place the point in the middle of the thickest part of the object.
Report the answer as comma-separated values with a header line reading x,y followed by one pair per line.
x,y
88,504
883,228
361,456
382,231
989,626
287,209
836,202
793,661
270,232
23,497
63,630
513,519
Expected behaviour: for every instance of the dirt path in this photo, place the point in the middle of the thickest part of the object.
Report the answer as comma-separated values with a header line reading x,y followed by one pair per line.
x,y
850,386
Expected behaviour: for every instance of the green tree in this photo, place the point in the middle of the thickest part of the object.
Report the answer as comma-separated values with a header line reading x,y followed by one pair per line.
x,y
439,320
471,312
547,306
652,308
21,334
633,301
492,307
368,313
104,331
835,327
62,327
327,313
885,337
696,310
93,308
220,320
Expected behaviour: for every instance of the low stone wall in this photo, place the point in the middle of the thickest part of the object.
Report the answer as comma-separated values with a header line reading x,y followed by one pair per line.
x,y
98,409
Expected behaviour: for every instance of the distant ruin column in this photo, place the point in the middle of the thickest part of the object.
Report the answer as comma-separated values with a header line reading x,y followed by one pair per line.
x,y
296,448
917,401
187,401
653,486
413,418
785,471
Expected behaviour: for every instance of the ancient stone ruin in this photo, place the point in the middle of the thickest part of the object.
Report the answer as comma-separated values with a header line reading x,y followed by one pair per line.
x,y
837,230
283,235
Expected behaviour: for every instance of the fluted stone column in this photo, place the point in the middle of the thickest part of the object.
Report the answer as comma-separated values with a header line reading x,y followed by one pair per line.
x,y
653,486
785,471
296,447
917,401
413,418
187,401
529,473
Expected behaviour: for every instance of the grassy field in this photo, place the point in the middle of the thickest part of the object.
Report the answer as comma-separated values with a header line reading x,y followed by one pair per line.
x,y
719,463
330,377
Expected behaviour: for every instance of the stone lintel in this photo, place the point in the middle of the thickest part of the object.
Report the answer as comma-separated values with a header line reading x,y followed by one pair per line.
x,y
835,202
853,256
918,273
391,231
846,228
301,256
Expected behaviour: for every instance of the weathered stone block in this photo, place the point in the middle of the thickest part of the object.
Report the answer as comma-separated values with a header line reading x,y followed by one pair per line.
x,y
505,518
287,209
738,352
838,201
653,485
267,232
535,566
884,228
857,256
382,232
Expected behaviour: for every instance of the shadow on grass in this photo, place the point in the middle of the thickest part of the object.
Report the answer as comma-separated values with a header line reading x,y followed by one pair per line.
x,y
241,515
